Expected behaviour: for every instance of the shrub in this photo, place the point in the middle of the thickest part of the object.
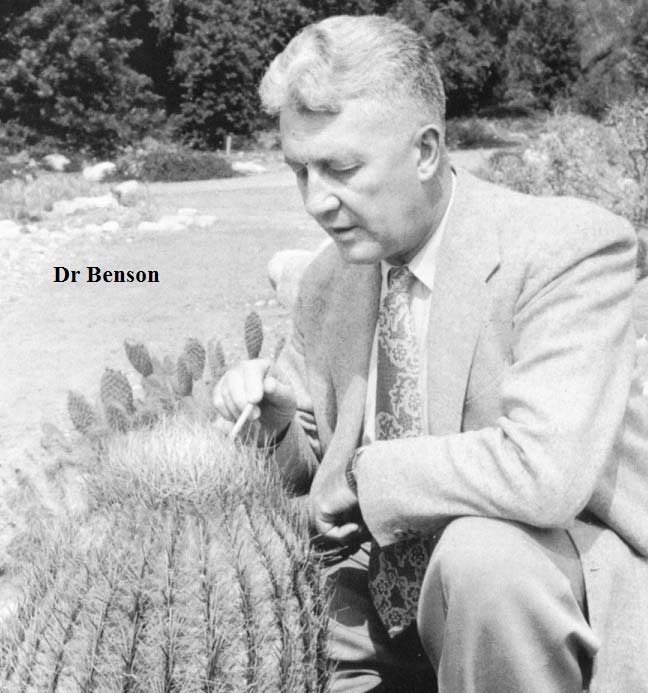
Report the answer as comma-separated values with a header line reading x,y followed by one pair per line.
x,y
575,155
630,122
168,162
474,133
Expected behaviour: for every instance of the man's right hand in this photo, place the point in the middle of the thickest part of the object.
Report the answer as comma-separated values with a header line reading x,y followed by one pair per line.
x,y
251,382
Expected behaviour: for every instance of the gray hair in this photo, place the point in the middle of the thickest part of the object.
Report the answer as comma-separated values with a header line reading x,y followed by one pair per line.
x,y
344,57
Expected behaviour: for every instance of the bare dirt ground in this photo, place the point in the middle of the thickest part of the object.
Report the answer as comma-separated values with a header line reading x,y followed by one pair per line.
x,y
60,337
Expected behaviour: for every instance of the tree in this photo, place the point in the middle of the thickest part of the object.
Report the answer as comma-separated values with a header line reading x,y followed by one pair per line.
x,y
542,55
65,75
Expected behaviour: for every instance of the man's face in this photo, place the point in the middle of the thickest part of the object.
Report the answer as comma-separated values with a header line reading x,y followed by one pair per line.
x,y
358,173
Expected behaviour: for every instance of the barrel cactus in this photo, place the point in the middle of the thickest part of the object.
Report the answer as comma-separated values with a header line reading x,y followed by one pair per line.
x,y
189,571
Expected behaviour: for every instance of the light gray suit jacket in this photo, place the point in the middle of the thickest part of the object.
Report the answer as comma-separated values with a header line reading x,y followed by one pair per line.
x,y
533,410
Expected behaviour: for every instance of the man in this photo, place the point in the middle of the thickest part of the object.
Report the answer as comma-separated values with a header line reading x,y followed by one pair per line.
x,y
458,385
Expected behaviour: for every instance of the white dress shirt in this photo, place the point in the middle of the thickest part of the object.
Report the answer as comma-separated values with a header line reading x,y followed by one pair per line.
x,y
423,267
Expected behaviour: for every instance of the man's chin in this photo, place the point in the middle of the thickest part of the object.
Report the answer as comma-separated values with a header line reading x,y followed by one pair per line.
x,y
359,254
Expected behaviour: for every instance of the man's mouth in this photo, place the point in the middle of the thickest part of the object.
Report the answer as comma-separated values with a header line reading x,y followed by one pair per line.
x,y
340,230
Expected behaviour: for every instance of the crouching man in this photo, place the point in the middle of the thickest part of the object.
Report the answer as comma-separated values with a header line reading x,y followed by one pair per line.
x,y
458,384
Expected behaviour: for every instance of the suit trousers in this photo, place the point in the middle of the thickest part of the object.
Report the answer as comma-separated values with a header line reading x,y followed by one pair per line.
x,y
502,610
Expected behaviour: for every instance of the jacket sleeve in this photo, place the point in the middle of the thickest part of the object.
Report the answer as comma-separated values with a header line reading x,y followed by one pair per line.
x,y
299,452
563,401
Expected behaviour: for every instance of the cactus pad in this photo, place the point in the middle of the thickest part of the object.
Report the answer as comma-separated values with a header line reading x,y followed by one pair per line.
x,y
183,380
194,354
217,363
281,343
81,412
117,418
115,389
253,331
139,356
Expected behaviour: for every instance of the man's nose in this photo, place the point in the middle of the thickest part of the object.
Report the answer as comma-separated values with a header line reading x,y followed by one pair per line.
x,y
319,198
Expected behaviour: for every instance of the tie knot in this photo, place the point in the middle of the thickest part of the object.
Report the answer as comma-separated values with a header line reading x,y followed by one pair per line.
x,y
400,279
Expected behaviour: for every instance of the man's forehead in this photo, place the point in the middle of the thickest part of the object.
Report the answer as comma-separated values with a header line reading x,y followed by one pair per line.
x,y
318,136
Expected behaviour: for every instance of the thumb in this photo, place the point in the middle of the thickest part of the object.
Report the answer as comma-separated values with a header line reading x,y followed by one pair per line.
x,y
278,394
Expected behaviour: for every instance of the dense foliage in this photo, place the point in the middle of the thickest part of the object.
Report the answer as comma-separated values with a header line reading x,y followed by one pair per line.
x,y
101,74
65,74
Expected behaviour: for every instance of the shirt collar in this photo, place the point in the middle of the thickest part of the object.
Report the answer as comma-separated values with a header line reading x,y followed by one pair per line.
x,y
423,264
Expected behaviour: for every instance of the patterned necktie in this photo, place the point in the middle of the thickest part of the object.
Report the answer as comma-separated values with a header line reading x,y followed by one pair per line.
x,y
396,572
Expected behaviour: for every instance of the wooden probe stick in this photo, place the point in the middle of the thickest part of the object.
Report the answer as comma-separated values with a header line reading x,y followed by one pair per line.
x,y
245,415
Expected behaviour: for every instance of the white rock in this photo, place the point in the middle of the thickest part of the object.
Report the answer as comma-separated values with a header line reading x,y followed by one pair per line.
x,y
204,221
9,228
174,222
98,172
248,167
285,270
150,226
532,157
111,226
80,204
127,191
187,212
56,162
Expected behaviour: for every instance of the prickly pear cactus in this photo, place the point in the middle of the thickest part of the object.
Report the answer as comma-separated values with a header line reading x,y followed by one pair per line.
x,y
183,378
82,413
216,360
139,357
188,572
195,355
253,332
117,418
116,390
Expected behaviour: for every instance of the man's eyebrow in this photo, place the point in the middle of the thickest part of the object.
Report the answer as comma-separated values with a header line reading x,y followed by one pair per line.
x,y
325,160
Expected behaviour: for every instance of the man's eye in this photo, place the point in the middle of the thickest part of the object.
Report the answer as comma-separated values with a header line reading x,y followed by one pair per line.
x,y
344,168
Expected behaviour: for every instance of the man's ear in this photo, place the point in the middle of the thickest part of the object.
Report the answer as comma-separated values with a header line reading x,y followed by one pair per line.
x,y
428,141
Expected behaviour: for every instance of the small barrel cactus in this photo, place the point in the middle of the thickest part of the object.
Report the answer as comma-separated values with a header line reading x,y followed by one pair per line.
x,y
253,332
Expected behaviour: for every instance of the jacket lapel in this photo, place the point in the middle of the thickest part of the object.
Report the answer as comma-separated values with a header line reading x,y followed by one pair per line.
x,y
468,257
353,323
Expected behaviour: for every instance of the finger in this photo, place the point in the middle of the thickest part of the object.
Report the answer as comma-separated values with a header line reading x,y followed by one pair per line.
x,y
254,374
347,533
343,534
225,398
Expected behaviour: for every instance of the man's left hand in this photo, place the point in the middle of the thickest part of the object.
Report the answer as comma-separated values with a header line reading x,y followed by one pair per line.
x,y
333,507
